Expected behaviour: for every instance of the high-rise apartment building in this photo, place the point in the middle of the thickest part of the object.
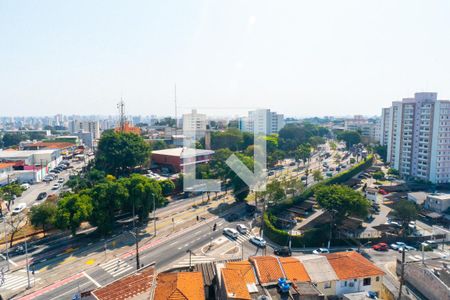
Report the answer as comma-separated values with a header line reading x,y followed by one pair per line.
x,y
93,127
416,132
194,123
262,121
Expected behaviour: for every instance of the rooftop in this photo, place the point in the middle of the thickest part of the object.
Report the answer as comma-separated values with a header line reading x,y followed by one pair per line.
x,y
439,196
349,265
318,268
234,283
246,269
127,287
267,268
294,269
22,153
179,286
6,165
183,152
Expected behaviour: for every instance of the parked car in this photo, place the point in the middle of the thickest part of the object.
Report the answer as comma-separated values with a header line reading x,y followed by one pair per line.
x,y
283,251
56,186
233,233
271,173
433,244
47,178
19,208
242,228
61,180
380,247
382,192
25,186
397,245
407,248
258,241
321,251
426,247
41,196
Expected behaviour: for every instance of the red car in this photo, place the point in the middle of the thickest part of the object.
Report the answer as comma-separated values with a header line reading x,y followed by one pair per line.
x,y
382,192
380,247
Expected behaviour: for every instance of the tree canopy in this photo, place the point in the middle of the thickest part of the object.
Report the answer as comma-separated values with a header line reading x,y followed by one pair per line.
x,y
349,137
43,215
72,210
120,153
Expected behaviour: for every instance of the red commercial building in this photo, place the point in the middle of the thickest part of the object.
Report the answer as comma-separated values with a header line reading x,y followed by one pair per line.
x,y
176,158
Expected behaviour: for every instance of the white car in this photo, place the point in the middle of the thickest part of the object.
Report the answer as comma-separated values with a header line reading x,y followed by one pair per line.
x,y
242,228
25,186
321,251
258,241
231,232
61,180
407,248
397,245
19,208
56,186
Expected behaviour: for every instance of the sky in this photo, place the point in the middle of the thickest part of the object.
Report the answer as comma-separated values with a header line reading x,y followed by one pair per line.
x,y
300,58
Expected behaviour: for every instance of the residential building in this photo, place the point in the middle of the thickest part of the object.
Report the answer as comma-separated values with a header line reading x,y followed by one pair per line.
x,y
93,127
194,124
355,273
385,125
320,272
417,136
6,173
175,159
369,128
262,121
417,197
438,202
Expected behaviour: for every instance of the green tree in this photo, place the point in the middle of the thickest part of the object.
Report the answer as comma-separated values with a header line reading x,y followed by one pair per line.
x,y
315,141
303,153
13,139
167,187
120,153
342,201
381,151
231,139
11,191
43,215
379,175
350,138
292,136
393,171
106,201
275,192
72,210
143,193
158,145
406,211
317,175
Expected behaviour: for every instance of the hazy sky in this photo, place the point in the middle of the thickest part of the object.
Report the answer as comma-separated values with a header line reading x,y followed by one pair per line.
x,y
300,58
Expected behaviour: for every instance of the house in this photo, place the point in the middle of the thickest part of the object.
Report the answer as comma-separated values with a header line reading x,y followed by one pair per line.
x,y
372,194
320,272
267,269
355,273
437,202
176,159
179,286
6,173
129,287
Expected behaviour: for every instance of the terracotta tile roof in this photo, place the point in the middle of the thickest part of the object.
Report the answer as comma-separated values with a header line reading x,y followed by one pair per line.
x,y
348,265
127,287
294,269
6,165
267,268
51,145
235,285
246,269
180,286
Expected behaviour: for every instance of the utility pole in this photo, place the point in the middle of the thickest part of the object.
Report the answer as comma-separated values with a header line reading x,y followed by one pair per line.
x,y
136,238
154,216
6,242
26,261
402,273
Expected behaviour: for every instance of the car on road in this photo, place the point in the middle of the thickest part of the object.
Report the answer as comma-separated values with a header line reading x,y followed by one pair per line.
x,y
19,208
397,245
56,186
242,228
233,233
407,248
380,247
258,241
283,251
61,180
41,196
321,251
48,178
271,173
304,177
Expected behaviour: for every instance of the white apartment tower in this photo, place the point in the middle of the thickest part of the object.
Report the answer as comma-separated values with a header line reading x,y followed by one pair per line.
x,y
93,127
194,123
416,132
262,121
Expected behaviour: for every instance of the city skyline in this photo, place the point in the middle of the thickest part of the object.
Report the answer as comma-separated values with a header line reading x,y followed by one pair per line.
x,y
350,58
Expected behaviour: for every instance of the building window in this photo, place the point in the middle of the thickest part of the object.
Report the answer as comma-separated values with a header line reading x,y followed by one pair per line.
x,y
367,281
377,278
327,285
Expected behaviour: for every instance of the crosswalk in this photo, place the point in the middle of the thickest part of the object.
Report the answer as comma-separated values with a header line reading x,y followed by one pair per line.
x,y
414,257
242,238
14,282
116,267
195,259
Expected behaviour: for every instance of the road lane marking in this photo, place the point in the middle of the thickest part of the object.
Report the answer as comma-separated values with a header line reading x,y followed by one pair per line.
x,y
91,279
10,260
52,287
